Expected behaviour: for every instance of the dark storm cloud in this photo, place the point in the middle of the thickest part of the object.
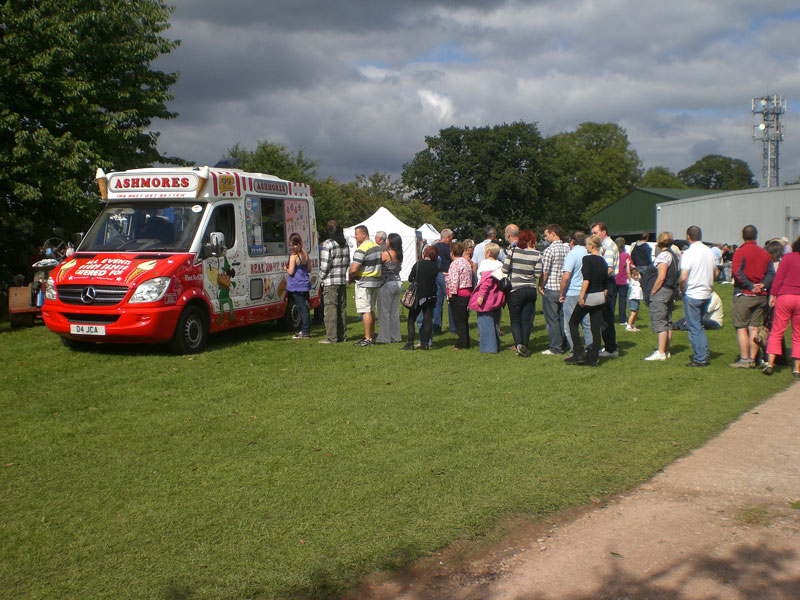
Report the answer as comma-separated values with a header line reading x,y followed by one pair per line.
x,y
358,85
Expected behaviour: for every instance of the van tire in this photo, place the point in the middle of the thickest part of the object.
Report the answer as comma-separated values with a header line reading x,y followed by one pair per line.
x,y
191,332
292,321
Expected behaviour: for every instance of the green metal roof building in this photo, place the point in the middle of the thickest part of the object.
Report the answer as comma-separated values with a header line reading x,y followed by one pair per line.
x,y
635,212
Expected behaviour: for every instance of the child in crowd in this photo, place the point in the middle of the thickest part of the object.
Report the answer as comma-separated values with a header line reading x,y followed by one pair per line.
x,y
634,297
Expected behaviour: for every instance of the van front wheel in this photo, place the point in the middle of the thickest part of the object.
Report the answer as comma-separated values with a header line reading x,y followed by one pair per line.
x,y
191,332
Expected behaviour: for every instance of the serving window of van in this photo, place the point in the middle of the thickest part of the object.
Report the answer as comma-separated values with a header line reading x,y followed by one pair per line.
x,y
266,226
223,220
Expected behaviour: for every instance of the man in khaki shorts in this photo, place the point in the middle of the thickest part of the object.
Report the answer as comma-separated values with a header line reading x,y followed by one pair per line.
x,y
752,275
366,272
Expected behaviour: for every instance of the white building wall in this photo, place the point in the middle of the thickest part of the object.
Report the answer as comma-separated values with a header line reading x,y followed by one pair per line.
x,y
774,211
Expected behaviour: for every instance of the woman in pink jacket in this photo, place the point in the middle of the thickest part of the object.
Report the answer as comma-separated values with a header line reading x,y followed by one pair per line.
x,y
784,295
487,300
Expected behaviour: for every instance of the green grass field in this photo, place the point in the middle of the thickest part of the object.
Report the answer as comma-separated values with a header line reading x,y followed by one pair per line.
x,y
276,468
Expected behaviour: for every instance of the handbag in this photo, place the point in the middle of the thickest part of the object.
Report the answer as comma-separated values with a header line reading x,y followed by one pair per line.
x,y
594,299
762,335
503,280
409,297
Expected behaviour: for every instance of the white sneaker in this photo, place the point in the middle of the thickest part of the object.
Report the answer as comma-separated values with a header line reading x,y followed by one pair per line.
x,y
605,354
656,355
631,328
549,352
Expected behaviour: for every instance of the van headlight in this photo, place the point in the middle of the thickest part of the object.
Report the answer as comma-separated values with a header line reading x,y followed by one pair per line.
x,y
151,290
50,290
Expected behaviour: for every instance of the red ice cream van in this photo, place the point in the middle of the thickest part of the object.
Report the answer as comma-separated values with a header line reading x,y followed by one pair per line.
x,y
178,253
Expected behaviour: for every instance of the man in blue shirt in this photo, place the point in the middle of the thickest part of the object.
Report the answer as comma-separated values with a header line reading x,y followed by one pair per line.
x,y
571,282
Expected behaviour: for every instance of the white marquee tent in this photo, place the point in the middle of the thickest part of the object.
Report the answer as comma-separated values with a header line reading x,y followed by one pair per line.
x,y
429,233
384,220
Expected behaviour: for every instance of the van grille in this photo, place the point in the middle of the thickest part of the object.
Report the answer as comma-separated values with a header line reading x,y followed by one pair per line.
x,y
91,319
104,295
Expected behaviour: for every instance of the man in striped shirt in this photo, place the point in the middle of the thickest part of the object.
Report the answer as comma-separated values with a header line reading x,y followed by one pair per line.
x,y
550,288
334,261
366,272
610,253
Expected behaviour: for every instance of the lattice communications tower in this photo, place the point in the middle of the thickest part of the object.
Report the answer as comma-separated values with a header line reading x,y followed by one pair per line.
x,y
770,132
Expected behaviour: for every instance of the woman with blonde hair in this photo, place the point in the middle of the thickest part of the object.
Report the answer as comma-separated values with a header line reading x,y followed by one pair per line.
x,y
487,300
662,295
591,300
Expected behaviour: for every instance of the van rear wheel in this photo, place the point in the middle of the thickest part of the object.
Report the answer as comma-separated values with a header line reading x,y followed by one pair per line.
x,y
191,332
291,318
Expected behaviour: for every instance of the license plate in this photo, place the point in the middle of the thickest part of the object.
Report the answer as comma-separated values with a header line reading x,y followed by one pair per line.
x,y
88,329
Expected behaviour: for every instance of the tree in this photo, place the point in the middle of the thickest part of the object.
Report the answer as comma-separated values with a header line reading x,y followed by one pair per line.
x,y
473,177
76,93
715,172
661,177
594,167
275,159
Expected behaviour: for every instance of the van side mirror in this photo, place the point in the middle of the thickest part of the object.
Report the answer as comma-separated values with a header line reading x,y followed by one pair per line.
x,y
215,246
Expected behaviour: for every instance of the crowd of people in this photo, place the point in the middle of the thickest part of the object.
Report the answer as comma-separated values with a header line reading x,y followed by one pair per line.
x,y
588,283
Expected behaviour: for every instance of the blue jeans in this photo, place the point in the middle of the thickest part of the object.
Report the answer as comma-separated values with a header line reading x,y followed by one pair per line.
x,y
554,318
301,300
694,310
521,308
489,331
570,302
441,295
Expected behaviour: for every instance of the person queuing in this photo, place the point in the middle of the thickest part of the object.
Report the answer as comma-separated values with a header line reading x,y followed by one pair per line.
x,y
550,288
459,289
610,254
445,258
591,300
423,274
696,283
523,266
571,282
752,275
662,296
785,298
366,272
390,291
622,280
334,261
298,284
488,300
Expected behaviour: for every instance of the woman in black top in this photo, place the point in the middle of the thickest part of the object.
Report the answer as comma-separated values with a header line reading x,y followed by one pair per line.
x,y
591,300
424,274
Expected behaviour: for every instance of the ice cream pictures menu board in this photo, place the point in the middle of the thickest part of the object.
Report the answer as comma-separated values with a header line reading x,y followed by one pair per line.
x,y
297,220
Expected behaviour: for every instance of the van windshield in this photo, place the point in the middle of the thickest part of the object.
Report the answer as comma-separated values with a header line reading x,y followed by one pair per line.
x,y
143,226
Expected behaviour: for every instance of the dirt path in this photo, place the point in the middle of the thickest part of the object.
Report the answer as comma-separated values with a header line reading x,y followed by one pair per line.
x,y
721,523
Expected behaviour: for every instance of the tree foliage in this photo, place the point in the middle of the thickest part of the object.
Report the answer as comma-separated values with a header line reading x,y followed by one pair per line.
x,y
509,173
76,93
473,177
347,203
715,172
595,166
661,177
275,159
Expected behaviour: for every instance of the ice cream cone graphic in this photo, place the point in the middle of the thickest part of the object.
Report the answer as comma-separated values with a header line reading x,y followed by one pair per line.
x,y
141,268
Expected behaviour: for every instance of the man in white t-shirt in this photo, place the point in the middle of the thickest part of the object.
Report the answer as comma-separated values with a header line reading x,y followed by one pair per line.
x,y
698,271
